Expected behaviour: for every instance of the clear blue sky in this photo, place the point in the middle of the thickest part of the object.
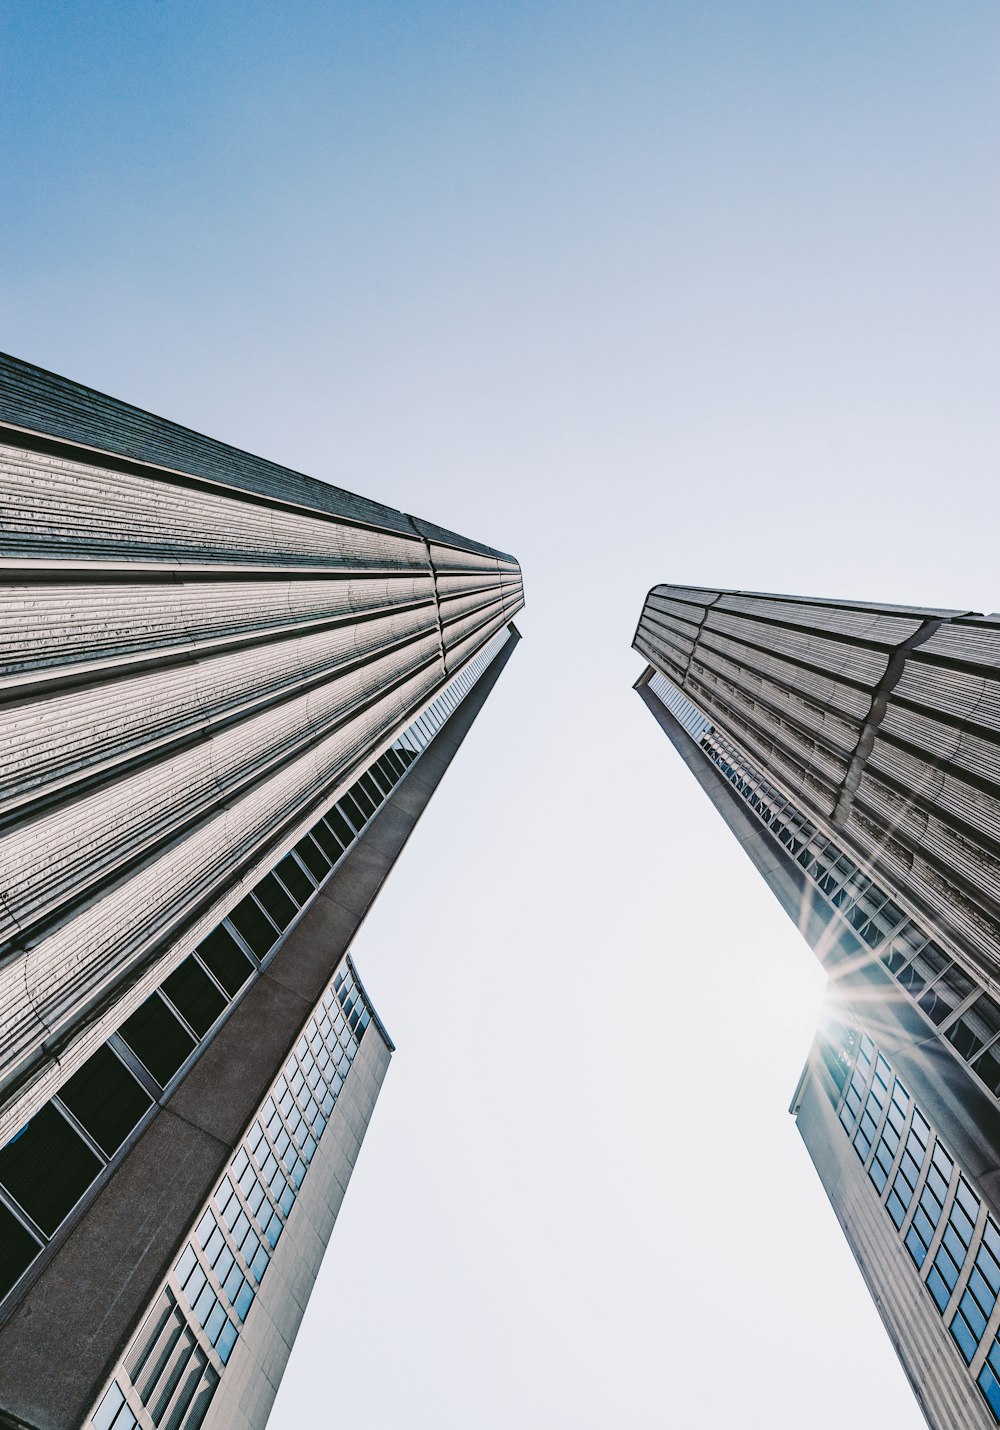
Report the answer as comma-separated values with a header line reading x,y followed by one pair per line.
x,y
701,292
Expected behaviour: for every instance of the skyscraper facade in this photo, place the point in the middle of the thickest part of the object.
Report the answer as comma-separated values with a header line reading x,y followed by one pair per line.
x,y
854,750
228,692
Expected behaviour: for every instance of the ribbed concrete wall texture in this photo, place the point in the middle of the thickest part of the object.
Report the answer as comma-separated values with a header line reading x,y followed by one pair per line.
x,y
227,691
855,751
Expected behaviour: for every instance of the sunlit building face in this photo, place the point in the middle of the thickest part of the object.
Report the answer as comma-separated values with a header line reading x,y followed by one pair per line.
x,y
854,749
231,691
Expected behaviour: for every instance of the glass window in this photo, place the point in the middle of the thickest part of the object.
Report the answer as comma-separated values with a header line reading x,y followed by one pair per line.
x,y
156,1037
990,1387
396,765
202,1307
253,926
224,1346
225,960
987,1068
313,858
273,899
965,1336
214,1324
385,771
47,1168
901,949
354,814
976,1027
987,1260
331,845
951,989
186,1265
359,793
372,788
925,967
105,1097
224,1264
194,995
916,1246
109,1408
260,1264
938,1287
340,826
18,1249
295,879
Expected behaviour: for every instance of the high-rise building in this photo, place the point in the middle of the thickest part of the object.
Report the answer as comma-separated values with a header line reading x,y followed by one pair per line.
x,y
854,751
228,692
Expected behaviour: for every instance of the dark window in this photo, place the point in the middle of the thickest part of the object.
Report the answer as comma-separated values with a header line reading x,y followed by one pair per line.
x,y
313,858
251,923
912,978
18,1249
47,1168
225,960
156,1037
372,789
395,762
294,879
340,827
977,1025
331,845
105,1097
381,772
354,812
275,901
194,995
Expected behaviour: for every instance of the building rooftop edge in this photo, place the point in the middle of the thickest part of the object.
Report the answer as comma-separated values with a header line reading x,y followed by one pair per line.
x,y
43,403
850,604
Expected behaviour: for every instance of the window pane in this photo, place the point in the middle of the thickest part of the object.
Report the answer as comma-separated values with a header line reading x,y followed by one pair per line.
x,y
18,1249
372,788
157,1039
383,774
194,995
340,826
106,1098
990,1387
225,960
362,799
251,923
976,1026
902,948
47,1168
354,814
275,901
330,844
313,857
297,883
951,989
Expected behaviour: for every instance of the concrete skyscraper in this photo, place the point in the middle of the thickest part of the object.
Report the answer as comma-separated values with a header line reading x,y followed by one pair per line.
x,y
854,750
228,692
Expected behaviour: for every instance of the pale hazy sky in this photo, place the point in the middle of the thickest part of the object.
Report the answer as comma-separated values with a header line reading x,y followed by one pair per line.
x,y
698,292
